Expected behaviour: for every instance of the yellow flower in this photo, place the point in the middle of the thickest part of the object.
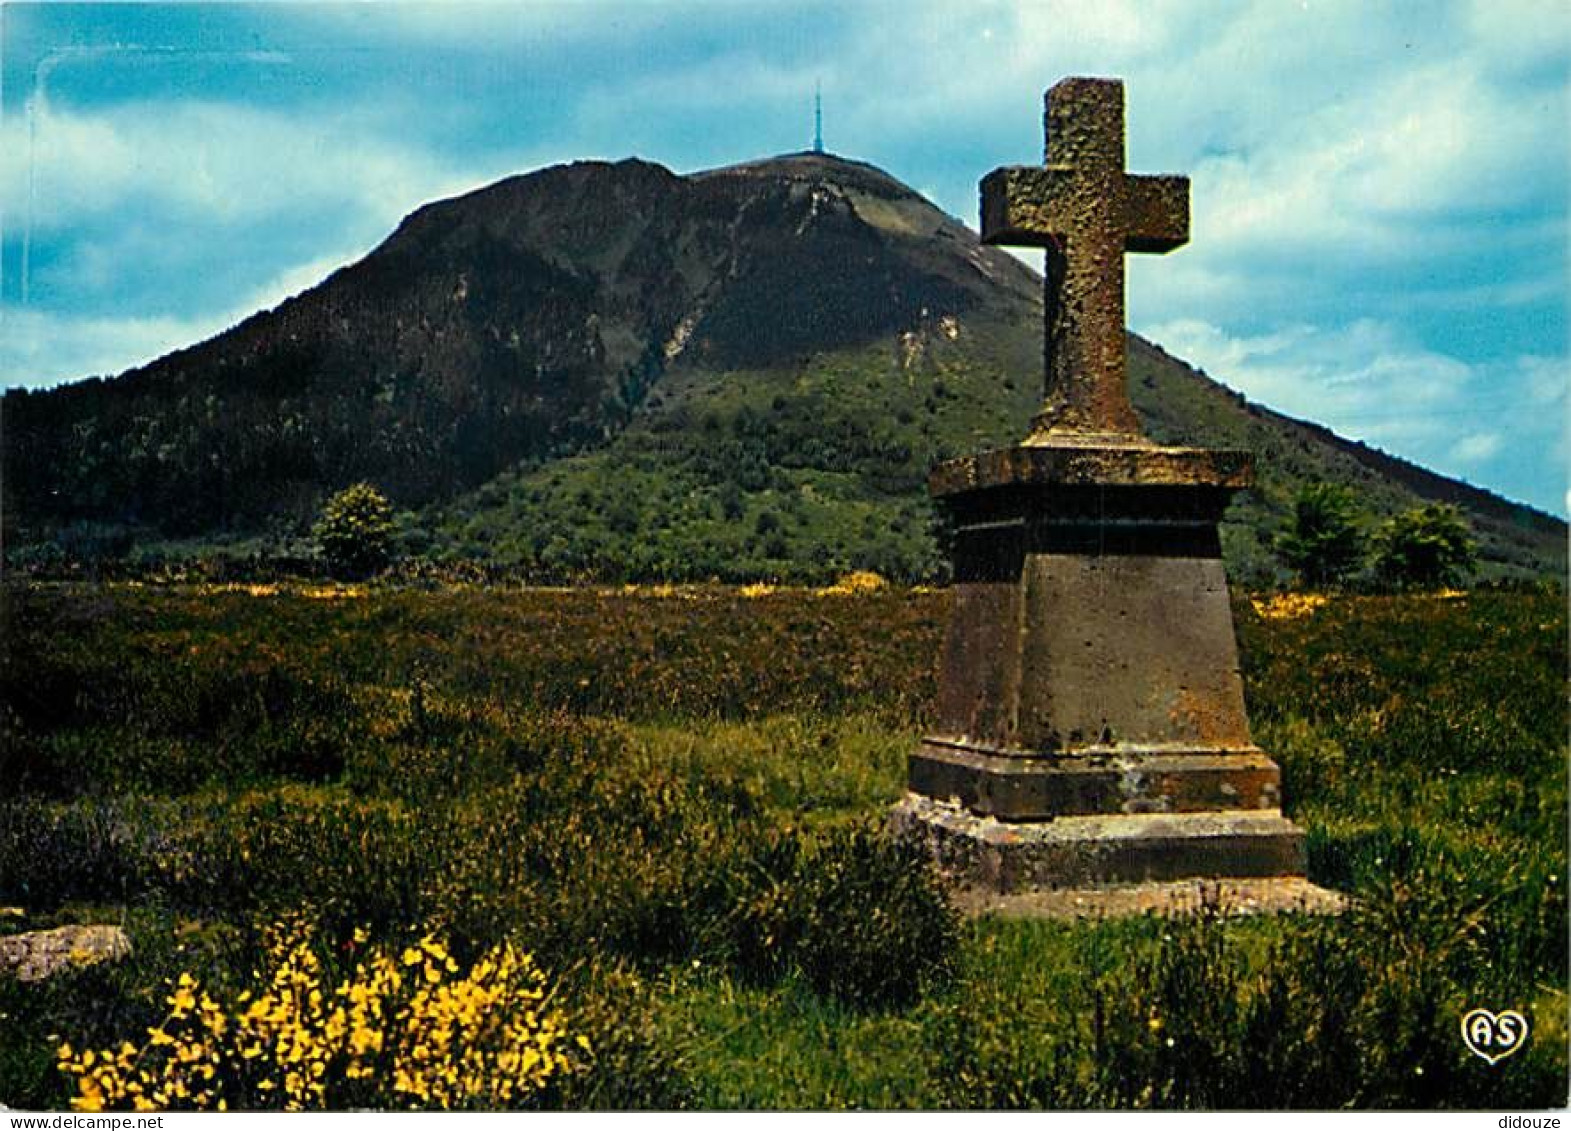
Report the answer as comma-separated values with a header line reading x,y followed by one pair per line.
x,y
1289,606
451,1039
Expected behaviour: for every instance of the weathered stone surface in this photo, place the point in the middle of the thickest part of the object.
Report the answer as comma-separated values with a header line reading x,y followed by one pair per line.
x,y
1088,851
36,955
1063,462
1085,212
1022,787
1091,619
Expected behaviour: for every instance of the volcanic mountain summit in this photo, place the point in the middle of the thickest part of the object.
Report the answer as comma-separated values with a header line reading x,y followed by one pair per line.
x,y
613,370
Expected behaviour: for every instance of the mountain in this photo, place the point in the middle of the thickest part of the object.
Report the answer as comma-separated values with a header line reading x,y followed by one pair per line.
x,y
612,370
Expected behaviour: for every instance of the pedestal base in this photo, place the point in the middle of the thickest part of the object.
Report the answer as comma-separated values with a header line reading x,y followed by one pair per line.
x,y
1080,852
1017,786
1090,728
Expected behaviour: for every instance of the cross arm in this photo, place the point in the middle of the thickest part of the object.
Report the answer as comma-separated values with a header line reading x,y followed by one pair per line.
x,y
1022,205
1156,213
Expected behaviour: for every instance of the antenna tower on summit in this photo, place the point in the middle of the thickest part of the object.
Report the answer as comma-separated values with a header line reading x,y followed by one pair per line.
x,y
818,120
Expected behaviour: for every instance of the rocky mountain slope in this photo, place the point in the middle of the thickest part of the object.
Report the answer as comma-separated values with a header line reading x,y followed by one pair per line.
x,y
612,370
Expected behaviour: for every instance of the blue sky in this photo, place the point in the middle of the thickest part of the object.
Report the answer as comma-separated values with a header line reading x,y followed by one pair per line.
x,y
1380,239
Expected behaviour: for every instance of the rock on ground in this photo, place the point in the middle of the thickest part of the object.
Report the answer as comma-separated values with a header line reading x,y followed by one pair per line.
x,y
36,955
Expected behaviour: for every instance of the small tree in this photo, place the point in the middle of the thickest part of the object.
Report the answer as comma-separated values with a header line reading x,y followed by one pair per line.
x,y
1322,542
355,532
1427,547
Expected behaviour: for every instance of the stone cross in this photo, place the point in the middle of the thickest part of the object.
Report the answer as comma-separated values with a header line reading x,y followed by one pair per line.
x,y
1086,212
1090,726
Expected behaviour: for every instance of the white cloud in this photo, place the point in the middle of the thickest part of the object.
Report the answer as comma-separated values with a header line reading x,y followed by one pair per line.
x,y
1543,381
1363,379
156,191
208,161
39,348
1381,192
1541,388
1502,423
1476,448
1374,177
1520,34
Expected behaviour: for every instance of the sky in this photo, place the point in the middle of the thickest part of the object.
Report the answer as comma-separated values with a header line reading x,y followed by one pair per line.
x,y
1379,235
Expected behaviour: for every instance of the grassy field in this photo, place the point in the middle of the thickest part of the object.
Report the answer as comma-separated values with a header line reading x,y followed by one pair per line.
x,y
673,800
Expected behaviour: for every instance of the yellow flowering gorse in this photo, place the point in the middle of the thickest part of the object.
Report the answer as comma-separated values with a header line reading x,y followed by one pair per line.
x,y
398,1032
1289,606
857,584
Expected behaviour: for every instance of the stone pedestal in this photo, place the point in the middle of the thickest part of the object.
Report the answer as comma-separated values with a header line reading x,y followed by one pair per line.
x,y
1091,726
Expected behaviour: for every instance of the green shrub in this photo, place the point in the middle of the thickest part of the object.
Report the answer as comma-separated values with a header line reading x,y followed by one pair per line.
x,y
1425,548
586,854
1322,542
631,1064
355,532
1493,918
89,850
875,926
860,916
353,860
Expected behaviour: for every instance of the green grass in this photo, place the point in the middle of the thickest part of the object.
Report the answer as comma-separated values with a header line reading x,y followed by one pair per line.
x,y
673,799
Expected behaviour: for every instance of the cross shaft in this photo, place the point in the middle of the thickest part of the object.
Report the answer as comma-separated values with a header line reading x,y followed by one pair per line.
x,y
1085,212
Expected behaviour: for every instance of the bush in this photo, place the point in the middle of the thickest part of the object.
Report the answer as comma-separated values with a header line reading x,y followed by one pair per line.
x,y
861,917
50,854
876,929
354,859
355,532
1425,548
630,1064
1322,542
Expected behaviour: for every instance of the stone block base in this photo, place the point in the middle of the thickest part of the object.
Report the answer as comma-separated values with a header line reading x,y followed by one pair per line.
x,y
1020,787
1091,851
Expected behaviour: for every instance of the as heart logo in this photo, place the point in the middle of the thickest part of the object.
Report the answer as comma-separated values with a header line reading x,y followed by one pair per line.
x,y
1494,1036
